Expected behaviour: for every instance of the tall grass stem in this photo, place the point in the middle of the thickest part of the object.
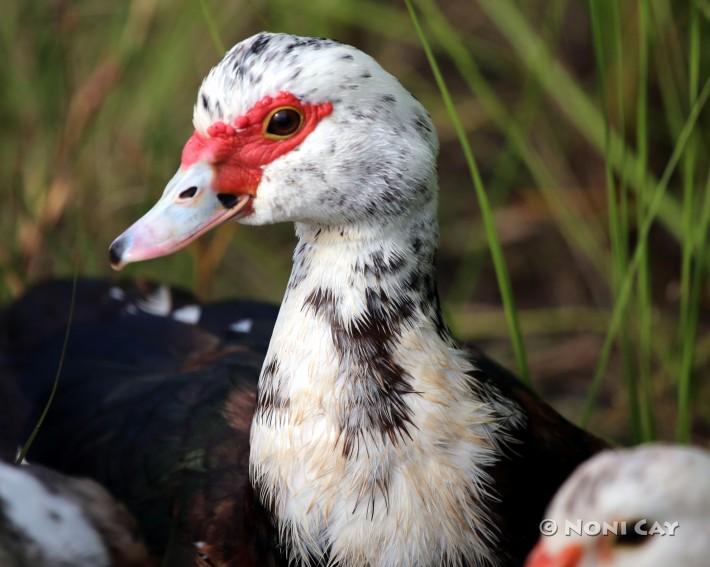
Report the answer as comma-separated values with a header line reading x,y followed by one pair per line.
x,y
622,298
22,454
486,213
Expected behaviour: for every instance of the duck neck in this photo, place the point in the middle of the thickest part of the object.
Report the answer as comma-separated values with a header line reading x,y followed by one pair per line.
x,y
370,438
352,294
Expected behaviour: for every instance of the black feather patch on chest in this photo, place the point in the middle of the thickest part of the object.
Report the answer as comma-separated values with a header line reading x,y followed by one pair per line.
x,y
375,386
270,401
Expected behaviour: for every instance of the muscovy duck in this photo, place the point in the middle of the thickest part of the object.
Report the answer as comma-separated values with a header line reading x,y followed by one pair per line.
x,y
372,438
651,504
50,520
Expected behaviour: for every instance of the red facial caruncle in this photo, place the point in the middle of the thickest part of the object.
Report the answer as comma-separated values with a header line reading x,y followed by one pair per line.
x,y
239,151
569,556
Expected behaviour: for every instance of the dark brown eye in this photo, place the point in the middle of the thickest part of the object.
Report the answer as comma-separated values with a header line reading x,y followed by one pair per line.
x,y
634,535
282,123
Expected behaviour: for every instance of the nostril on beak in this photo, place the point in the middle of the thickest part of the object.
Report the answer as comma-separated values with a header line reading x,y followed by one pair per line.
x,y
228,200
188,193
115,252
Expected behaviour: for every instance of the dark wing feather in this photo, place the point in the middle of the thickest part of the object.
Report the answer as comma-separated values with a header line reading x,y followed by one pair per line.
x,y
545,451
156,410
13,413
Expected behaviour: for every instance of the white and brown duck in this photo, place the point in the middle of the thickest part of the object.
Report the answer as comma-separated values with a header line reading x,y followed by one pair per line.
x,y
371,439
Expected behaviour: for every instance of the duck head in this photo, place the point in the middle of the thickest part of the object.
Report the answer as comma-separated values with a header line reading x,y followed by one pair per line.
x,y
292,129
648,506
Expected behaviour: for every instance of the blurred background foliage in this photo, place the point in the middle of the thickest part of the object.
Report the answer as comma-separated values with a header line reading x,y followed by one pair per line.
x,y
587,121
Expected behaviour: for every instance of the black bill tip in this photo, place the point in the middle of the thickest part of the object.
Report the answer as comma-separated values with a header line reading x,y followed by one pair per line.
x,y
115,253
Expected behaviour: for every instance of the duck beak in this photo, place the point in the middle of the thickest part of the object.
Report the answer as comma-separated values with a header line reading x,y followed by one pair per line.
x,y
569,556
189,207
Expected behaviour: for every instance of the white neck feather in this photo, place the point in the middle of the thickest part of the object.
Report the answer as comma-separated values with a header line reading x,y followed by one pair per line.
x,y
370,443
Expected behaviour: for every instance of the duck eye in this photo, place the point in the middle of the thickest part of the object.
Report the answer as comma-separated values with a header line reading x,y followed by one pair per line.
x,y
631,537
282,123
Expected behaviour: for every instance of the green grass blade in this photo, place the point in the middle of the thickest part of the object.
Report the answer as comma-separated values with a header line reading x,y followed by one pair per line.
x,y
689,334
212,28
703,6
660,20
690,282
572,100
55,384
643,307
617,224
486,213
689,168
576,230
622,298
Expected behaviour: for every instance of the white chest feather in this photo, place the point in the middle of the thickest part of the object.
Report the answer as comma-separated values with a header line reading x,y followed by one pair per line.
x,y
349,473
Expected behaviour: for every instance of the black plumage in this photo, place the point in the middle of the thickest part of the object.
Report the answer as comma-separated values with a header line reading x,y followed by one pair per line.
x,y
159,411
548,449
156,410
